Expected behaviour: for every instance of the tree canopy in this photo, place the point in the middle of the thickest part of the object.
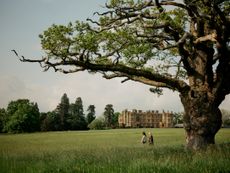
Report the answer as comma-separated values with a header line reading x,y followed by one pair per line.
x,y
151,42
183,46
22,116
91,114
109,114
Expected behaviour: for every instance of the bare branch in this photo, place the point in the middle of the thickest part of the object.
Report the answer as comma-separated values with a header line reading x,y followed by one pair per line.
x,y
15,52
179,42
23,59
103,14
93,21
127,79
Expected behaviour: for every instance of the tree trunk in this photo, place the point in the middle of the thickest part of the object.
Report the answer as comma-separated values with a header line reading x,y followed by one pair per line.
x,y
202,119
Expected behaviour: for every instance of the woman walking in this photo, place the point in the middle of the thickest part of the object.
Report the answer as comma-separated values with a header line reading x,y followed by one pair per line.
x,y
144,138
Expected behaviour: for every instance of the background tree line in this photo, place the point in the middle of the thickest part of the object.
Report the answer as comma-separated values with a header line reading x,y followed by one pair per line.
x,y
24,116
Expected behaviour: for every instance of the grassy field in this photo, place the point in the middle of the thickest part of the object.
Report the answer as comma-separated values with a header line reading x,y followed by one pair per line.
x,y
110,151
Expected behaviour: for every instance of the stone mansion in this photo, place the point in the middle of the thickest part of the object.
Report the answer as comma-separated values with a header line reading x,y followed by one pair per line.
x,y
149,119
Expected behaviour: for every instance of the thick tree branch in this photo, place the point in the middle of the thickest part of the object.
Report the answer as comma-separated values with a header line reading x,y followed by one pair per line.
x,y
135,78
139,75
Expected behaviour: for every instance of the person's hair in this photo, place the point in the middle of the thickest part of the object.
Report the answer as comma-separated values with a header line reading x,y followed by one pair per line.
x,y
143,133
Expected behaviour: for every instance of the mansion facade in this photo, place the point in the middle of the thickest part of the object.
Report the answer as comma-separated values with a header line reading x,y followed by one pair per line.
x,y
148,119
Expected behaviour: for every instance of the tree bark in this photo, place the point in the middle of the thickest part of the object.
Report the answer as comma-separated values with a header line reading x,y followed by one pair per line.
x,y
202,119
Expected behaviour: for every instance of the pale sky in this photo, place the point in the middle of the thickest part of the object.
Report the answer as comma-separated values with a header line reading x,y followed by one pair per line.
x,y
21,23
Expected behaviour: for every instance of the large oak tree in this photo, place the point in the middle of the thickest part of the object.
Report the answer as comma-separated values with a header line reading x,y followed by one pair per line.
x,y
180,45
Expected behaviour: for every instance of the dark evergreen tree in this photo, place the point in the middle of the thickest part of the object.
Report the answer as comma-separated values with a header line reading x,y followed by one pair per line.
x,y
73,119
79,106
91,114
115,119
108,114
76,119
62,111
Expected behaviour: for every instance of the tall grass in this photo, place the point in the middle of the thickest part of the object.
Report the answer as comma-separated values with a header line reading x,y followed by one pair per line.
x,y
110,151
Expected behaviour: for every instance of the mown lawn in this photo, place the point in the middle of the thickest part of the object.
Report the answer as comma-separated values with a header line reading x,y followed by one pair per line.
x,y
115,151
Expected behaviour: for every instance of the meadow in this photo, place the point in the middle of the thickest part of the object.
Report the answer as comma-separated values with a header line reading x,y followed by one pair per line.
x,y
110,151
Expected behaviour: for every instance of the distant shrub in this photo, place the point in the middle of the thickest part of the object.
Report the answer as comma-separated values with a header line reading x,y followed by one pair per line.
x,y
97,124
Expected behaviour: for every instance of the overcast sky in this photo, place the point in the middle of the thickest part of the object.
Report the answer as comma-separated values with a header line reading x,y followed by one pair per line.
x,y
21,23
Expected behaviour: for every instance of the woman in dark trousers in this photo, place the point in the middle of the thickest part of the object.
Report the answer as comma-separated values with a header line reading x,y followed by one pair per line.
x,y
150,138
